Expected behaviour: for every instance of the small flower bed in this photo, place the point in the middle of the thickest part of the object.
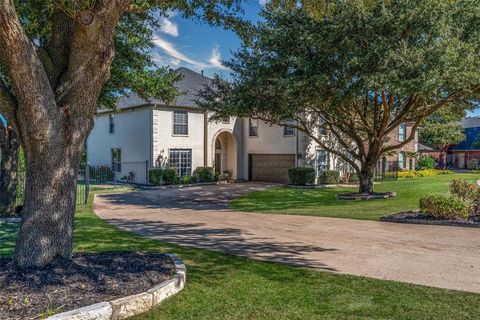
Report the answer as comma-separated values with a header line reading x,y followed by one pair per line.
x,y
422,173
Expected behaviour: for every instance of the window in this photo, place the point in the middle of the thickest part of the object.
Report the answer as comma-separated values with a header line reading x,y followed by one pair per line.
x,y
289,131
322,131
181,161
111,123
180,122
402,132
321,160
252,127
116,160
401,160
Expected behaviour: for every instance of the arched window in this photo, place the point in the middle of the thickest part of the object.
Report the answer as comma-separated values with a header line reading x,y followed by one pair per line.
x,y
401,160
402,132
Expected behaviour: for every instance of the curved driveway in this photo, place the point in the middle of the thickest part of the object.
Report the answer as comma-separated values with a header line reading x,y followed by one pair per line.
x,y
446,257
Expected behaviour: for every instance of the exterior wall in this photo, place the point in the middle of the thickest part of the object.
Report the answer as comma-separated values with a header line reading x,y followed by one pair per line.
x,y
411,147
132,135
164,139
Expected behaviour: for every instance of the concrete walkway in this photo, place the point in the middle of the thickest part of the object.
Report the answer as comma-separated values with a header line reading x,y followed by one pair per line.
x,y
446,257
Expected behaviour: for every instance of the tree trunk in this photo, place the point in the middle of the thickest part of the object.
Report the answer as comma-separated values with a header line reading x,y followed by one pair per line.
x,y
9,147
366,176
46,232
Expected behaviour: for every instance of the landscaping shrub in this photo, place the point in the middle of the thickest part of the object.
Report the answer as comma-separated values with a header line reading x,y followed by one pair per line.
x,y
473,165
353,177
446,207
301,176
422,173
188,179
204,174
329,177
157,176
465,190
426,162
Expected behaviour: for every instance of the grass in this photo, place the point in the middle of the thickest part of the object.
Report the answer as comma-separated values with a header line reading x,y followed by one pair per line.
x,y
222,286
322,202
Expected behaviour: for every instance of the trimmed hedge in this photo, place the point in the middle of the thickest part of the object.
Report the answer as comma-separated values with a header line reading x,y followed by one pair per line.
x,y
301,176
426,162
163,175
422,173
353,177
205,174
446,207
329,177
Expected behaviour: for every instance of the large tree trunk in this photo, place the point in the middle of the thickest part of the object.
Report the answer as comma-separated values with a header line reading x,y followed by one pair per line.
x,y
366,177
9,147
46,232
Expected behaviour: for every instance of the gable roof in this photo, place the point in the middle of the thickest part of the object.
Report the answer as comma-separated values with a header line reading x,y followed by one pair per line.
x,y
188,88
471,134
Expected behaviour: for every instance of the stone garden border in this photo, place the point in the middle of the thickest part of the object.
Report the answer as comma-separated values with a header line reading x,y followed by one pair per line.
x,y
126,307
356,196
448,223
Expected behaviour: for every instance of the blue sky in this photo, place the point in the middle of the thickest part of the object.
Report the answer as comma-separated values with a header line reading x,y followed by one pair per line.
x,y
181,42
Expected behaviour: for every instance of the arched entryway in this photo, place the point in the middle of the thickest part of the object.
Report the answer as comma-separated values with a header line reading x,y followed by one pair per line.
x,y
225,154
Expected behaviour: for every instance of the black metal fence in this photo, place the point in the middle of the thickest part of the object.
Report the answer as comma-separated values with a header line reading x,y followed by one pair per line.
x,y
99,177
386,171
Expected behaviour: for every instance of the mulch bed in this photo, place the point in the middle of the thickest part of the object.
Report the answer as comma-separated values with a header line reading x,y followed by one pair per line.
x,y
366,196
417,217
87,279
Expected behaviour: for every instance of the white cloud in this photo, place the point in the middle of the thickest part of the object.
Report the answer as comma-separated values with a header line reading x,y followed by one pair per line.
x,y
174,57
168,26
263,2
216,59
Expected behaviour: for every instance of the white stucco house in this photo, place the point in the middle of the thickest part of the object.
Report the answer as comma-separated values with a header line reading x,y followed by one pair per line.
x,y
141,131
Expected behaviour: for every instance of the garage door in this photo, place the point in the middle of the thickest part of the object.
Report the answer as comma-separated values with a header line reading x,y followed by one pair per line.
x,y
271,167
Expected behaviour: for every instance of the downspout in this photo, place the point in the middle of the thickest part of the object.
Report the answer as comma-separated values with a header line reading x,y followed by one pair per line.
x,y
151,137
296,147
205,138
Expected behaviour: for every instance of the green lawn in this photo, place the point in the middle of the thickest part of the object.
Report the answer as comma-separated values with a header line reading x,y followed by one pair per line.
x,y
322,202
221,286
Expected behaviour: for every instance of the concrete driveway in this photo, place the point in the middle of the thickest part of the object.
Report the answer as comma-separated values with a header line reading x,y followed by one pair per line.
x,y
446,257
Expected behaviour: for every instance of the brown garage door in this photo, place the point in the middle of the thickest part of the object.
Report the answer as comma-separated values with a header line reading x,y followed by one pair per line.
x,y
271,167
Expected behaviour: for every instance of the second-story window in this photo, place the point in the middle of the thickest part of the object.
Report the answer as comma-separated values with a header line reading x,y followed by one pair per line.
x,y
111,123
252,127
287,130
402,132
322,131
180,122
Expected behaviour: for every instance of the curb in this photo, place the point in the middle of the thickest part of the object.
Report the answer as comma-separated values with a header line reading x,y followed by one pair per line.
x,y
445,223
126,307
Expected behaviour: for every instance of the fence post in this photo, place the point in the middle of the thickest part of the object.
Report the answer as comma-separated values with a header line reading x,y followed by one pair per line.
x,y
146,172
87,182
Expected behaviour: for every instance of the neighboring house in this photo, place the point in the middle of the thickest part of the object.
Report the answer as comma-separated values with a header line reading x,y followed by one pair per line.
x,y
141,132
466,154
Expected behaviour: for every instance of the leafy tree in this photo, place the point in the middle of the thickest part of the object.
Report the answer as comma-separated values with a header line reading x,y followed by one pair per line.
x,y
60,60
441,130
360,70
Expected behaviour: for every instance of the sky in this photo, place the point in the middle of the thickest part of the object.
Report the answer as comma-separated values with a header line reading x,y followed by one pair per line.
x,y
185,43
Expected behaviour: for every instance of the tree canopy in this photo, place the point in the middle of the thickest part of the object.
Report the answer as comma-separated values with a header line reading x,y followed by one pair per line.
x,y
361,70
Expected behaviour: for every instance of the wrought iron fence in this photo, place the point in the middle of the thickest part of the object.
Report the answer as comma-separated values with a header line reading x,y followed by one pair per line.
x,y
99,177
386,171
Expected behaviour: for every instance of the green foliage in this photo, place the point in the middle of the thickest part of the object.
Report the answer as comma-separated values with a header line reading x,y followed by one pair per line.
x,y
442,129
422,173
159,176
465,190
188,179
205,174
329,177
426,162
473,165
353,177
301,176
446,207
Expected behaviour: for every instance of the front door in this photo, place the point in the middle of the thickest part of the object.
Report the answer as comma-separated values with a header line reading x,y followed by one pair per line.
x,y
218,162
